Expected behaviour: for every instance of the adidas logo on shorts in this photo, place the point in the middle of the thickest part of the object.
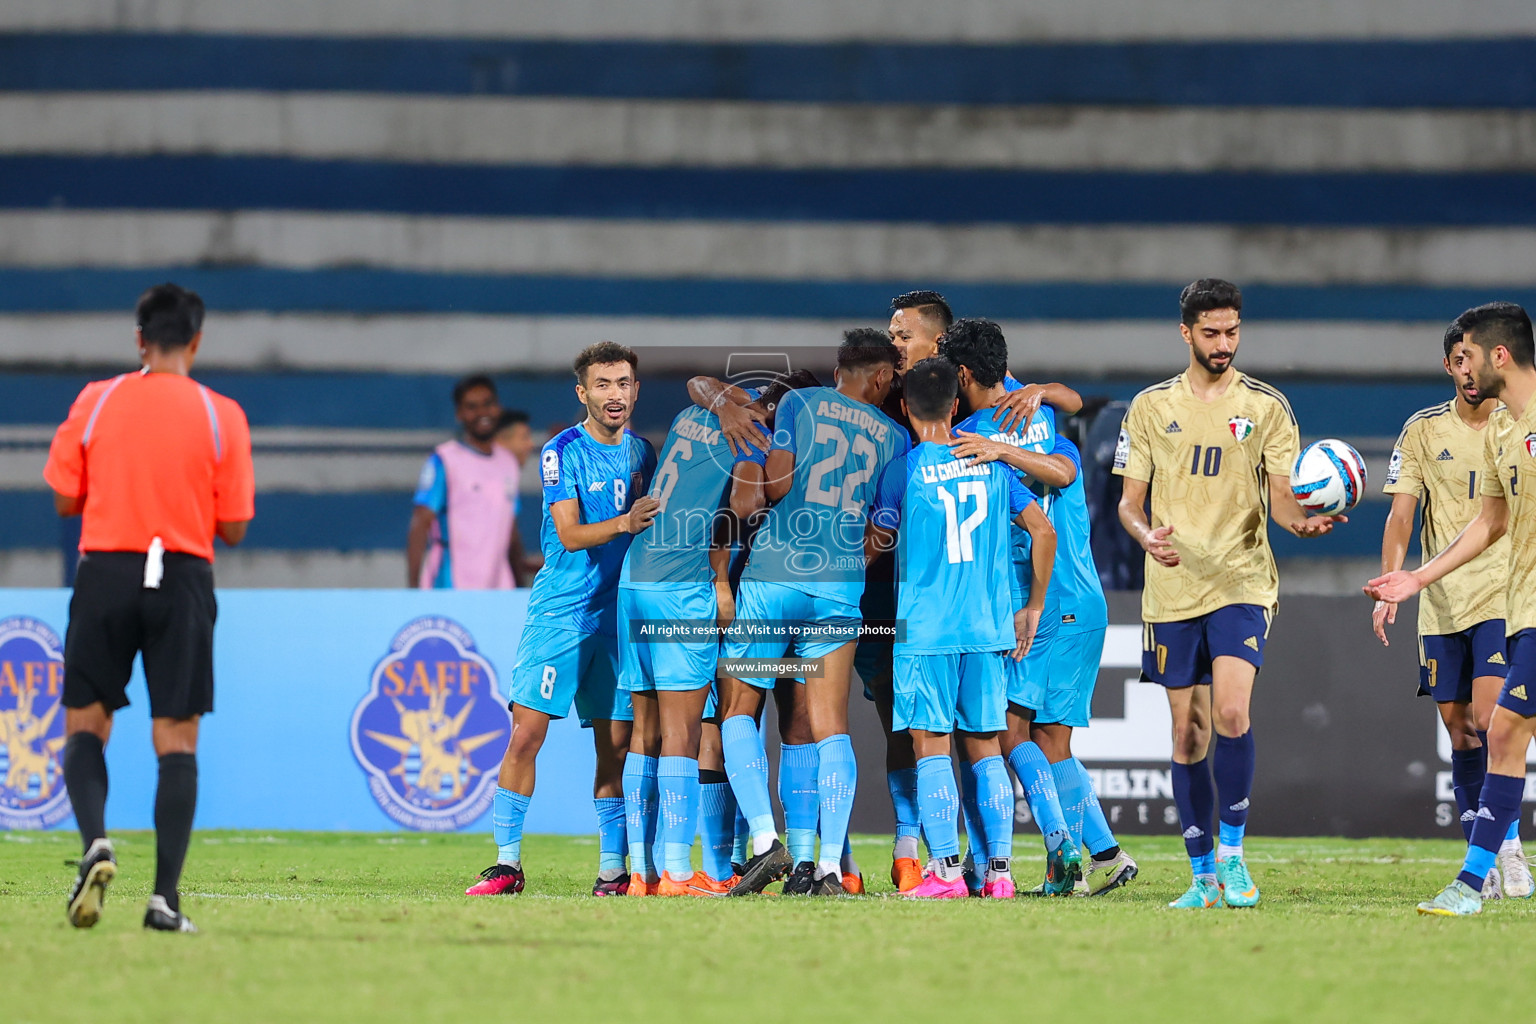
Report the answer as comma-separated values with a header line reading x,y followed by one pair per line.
x,y
1518,692
1495,658
1445,456
1252,642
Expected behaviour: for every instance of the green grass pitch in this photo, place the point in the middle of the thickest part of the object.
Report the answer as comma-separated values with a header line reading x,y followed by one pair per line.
x,y
302,927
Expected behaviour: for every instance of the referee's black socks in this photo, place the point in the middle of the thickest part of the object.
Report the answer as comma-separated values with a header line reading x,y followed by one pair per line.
x,y
85,776
175,802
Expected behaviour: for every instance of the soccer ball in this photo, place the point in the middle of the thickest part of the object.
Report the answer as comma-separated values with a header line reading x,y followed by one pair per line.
x,y
1328,478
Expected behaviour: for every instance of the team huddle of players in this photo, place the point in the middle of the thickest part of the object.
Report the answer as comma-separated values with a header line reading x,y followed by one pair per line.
x,y
792,534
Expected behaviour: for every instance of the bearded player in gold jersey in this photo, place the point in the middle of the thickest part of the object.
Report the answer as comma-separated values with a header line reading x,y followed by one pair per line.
x,y
1214,447
1462,659
1502,361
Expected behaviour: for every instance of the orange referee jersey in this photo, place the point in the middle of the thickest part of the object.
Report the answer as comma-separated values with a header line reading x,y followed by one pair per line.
x,y
155,455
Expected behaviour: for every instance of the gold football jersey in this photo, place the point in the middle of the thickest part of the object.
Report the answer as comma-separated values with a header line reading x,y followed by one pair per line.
x,y
1509,470
1208,464
1438,459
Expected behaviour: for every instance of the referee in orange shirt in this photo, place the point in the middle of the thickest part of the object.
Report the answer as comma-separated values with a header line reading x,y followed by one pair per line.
x,y
157,465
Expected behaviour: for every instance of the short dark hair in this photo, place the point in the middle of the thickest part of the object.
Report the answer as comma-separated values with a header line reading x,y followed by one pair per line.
x,y
1453,336
511,418
1501,323
782,382
1207,294
930,388
468,384
602,353
169,316
979,346
929,304
866,346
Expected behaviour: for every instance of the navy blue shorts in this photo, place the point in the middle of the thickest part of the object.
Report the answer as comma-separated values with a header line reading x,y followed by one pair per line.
x,y
1520,682
1448,662
1179,654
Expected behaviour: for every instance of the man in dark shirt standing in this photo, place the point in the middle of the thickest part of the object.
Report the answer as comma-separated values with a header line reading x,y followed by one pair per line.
x,y
157,465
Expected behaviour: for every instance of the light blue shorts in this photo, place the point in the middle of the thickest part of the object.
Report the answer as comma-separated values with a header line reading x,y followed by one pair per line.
x,y
1065,693
771,619
1028,677
558,666
686,662
944,692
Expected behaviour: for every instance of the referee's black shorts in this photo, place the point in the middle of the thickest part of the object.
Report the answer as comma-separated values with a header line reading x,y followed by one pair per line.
x,y
113,616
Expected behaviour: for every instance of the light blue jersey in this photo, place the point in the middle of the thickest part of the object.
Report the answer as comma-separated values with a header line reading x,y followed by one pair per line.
x,y
1038,436
576,589
953,549
691,478
813,540
1075,582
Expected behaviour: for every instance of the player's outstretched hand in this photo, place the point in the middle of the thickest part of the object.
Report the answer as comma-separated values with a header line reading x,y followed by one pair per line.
x,y
1316,526
1026,622
1382,616
1021,406
641,514
744,427
1394,587
975,449
1161,548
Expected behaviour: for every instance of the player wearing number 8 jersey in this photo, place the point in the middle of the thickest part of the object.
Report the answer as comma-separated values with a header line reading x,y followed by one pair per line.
x,y
1215,448
594,476
802,585
1438,460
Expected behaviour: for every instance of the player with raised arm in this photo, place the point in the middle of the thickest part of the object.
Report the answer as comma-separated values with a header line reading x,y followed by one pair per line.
x,y
676,578
945,517
1051,690
1214,447
595,475
1462,659
802,586
1502,363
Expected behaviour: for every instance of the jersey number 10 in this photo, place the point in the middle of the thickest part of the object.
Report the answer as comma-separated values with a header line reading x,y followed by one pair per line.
x,y
1209,466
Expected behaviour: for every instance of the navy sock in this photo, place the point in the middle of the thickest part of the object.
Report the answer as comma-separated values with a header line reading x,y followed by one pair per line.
x,y
1500,805
1232,766
1195,796
1467,773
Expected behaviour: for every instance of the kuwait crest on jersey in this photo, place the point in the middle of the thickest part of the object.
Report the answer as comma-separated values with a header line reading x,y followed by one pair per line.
x,y
1241,427
431,730
32,793
1530,445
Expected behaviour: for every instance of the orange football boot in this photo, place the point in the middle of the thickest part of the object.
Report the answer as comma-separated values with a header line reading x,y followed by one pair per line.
x,y
696,884
853,885
906,874
638,886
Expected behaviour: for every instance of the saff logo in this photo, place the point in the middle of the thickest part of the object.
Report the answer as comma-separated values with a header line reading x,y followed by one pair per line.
x,y
431,731
32,791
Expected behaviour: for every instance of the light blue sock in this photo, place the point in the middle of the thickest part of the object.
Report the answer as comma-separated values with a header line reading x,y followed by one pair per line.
x,y
677,781
1204,866
837,781
939,804
1069,787
640,812
975,836
1514,831
746,765
800,797
1034,773
507,812
903,786
994,799
716,817
1097,835
741,834
1231,835
610,833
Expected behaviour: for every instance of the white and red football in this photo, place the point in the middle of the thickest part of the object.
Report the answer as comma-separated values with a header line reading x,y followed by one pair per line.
x,y
1328,478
